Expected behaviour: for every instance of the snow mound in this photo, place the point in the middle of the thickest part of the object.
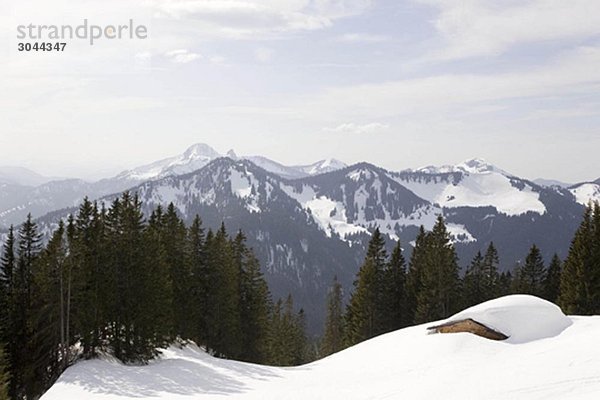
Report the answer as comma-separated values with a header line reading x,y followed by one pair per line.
x,y
523,318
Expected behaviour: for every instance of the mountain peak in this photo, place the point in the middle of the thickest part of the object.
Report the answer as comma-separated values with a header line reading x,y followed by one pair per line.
x,y
477,166
231,154
199,150
470,166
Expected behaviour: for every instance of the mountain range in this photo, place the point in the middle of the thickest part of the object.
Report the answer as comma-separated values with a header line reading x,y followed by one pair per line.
x,y
310,223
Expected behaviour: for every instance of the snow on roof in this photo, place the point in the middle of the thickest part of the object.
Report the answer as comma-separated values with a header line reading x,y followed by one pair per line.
x,y
523,318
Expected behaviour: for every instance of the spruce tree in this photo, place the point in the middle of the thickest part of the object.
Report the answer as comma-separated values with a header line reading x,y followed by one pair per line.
x,y
23,376
552,280
174,237
395,313
254,303
473,285
4,375
414,275
364,318
580,278
438,295
490,274
49,319
223,313
196,259
334,322
530,277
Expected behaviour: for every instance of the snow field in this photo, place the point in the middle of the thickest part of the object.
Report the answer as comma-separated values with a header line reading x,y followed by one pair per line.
x,y
548,356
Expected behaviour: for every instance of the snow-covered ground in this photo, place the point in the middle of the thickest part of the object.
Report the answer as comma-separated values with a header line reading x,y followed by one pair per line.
x,y
548,356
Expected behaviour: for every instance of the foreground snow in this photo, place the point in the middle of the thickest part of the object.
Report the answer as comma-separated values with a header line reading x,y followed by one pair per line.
x,y
548,356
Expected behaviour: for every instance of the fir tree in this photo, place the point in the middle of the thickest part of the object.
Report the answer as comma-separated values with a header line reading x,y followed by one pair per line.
x,y
490,274
199,281
395,313
580,278
473,286
414,275
254,303
334,323
23,374
4,375
364,318
552,280
530,277
438,295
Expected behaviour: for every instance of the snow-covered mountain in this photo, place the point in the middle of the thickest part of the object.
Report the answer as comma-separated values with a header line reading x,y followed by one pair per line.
x,y
474,183
321,167
195,157
547,356
198,155
23,192
473,166
309,229
586,192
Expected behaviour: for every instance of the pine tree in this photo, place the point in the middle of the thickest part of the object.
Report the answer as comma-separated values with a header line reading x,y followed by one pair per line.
x,y
196,259
490,274
4,375
580,278
50,342
254,303
505,283
334,323
174,236
287,339
552,280
414,275
395,314
223,315
438,296
473,286
530,277
29,246
364,318
88,259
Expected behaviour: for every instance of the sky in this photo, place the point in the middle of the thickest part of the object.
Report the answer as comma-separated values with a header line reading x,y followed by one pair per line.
x,y
399,83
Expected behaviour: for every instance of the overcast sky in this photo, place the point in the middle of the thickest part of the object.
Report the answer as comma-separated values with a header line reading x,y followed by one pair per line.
x,y
397,83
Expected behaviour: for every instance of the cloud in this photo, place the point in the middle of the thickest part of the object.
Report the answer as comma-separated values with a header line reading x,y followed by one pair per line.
x,y
571,73
248,18
263,54
352,128
182,56
472,28
360,38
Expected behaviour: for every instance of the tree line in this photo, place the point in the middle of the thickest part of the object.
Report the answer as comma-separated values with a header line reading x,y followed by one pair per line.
x,y
390,294
110,280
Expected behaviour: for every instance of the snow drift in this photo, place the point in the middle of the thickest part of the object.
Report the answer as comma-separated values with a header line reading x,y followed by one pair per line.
x,y
548,356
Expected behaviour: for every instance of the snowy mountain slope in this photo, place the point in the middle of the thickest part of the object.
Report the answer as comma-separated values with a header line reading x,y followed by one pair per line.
x,y
321,167
195,157
586,192
471,166
358,199
557,358
473,183
276,168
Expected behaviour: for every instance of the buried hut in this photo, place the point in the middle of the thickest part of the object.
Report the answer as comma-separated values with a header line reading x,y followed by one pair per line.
x,y
468,325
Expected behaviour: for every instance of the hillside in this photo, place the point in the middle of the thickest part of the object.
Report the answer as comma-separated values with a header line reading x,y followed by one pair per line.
x,y
556,357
